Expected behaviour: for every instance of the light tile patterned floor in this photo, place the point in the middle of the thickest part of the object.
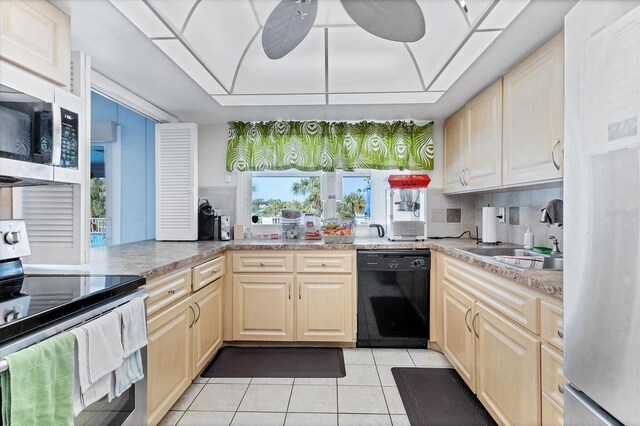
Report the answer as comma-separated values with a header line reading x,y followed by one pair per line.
x,y
367,395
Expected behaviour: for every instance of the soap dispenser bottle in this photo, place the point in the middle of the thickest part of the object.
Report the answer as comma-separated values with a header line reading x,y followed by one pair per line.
x,y
528,238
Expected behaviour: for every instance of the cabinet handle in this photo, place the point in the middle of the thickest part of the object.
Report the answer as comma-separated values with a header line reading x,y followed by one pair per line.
x,y
553,155
561,388
172,291
460,178
465,173
261,263
199,312
324,264
466,314
289,291
561,333
299,291
194,316
473,324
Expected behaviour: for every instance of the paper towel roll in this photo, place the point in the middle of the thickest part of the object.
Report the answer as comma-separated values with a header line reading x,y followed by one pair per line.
x,y
489,224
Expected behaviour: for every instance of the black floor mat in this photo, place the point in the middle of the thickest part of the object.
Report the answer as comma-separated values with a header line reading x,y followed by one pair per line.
x,y
276,362
438,396
395,317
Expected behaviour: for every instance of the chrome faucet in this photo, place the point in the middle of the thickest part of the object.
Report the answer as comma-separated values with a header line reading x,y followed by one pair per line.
x,y
556,250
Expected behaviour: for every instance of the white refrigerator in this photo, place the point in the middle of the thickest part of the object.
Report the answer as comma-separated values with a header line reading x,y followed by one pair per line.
x,y
602,213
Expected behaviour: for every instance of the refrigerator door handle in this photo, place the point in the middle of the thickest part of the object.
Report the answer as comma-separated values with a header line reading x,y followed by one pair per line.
x,y
553,155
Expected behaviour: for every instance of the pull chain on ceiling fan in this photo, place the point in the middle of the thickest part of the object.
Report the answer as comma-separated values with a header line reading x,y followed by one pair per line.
x,y
291,21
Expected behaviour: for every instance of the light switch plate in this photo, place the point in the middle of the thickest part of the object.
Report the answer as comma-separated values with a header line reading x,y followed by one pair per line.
x,y
502,216
227,178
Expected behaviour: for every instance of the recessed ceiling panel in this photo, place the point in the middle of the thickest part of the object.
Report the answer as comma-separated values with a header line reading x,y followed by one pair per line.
x,y
263,100
385,98
181,56
301,71
464,58
142,17
503,14
362,62
175,12
446,29
219,32
477,9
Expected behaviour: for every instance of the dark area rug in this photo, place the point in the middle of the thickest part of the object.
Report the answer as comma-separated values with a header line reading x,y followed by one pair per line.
x,y
438,396
276,362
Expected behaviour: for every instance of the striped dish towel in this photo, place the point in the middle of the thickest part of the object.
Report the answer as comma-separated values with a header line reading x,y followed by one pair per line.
x,y
134,337
524,262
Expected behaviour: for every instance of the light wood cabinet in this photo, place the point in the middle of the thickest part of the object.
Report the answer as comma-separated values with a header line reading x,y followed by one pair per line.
x,y
339,263
508,370
552,414
484,140
552,374
167,290
533,116
324,308
459,340
552,323
263,307
206,332
168,358
455,151
207,272
36,36
263,262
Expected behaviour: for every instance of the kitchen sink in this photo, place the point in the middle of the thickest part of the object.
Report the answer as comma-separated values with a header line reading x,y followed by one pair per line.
x,y
551,263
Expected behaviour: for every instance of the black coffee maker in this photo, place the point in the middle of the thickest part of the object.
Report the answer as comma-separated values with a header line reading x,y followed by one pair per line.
x,y
206,220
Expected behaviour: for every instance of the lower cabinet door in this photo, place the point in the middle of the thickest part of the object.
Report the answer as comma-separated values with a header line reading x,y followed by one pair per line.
x,y
263,307
168,358
508,367
207,327
325,311
552,413
459,341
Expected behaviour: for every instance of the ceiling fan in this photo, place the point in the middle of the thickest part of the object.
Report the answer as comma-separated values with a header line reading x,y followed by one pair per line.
x,y
291,21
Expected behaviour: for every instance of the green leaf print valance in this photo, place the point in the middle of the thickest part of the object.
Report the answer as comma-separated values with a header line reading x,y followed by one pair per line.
x,y
327,146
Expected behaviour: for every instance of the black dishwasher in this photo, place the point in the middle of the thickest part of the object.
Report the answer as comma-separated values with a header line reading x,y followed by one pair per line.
x,y
393,298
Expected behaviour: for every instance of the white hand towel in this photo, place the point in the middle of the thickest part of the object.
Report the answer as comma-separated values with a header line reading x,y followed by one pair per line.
x,y
134,325
98,353
134,337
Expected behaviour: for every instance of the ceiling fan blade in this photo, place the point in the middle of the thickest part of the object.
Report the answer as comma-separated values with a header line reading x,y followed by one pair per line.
x,y
396,20
287,26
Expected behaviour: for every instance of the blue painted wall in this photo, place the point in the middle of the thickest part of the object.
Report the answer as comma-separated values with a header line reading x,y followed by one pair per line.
x,y
137,154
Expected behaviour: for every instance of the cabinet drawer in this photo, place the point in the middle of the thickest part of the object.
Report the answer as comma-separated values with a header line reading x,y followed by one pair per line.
x,y
552,414
503,295
552,374
325,262
207,273
552,324
166,290
263,262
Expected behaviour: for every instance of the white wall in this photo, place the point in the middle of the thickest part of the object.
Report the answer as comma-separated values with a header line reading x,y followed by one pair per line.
x,y
212,150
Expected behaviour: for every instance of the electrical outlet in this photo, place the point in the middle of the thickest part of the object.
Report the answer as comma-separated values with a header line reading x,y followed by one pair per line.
x,y
502,216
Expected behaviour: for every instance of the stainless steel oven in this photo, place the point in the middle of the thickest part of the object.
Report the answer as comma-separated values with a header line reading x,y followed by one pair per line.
x,y
39,130
130,408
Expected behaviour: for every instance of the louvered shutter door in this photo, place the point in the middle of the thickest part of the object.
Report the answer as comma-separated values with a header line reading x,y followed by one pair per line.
x,y
176,182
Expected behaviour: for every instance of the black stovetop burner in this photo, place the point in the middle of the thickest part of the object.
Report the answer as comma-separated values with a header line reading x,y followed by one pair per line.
x,y
28,302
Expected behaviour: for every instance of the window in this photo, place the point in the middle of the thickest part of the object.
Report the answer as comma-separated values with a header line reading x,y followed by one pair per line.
x,y
356,198
270,193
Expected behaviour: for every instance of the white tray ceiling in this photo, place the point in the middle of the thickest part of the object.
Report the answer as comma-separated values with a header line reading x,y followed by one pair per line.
x,y
218,44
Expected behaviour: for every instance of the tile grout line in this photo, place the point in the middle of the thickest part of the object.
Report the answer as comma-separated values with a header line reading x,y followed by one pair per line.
x,y
241,399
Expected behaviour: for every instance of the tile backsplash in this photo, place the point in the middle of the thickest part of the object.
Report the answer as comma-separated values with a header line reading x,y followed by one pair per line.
x,y
523,208
222,198
449,215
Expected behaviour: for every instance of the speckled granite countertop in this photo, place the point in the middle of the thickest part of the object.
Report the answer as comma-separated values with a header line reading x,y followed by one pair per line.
x,y
152,258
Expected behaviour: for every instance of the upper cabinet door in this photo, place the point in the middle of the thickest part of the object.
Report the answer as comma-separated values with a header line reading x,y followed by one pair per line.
x,y
455,151
176,182
533,116
484,129
36,35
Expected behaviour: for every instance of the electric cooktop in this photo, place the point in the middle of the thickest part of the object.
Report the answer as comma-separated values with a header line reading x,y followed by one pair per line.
x,y
28,302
